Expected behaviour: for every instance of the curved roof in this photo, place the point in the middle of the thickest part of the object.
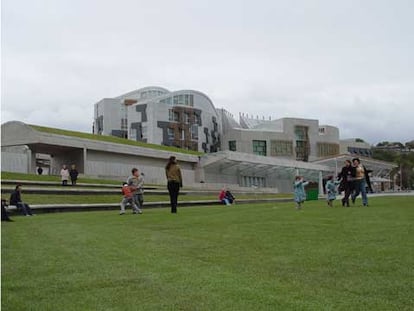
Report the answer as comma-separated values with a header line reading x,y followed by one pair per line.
x,y
144,89
169,94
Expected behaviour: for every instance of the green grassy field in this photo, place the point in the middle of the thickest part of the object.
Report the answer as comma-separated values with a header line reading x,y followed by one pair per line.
x,y
245,257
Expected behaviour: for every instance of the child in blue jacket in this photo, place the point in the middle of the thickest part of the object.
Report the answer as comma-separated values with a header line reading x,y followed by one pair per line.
x,y
299,191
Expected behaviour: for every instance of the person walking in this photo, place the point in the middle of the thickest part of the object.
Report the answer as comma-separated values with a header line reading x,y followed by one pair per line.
x,y
73,175
359,182
346,176
174,182
64,174
137,182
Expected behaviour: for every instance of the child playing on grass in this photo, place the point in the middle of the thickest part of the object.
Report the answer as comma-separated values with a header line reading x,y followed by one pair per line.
x,y
299,191
331,190
128,192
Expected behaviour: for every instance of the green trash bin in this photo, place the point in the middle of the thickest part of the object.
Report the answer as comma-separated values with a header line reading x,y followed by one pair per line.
x,y
312,191
312,194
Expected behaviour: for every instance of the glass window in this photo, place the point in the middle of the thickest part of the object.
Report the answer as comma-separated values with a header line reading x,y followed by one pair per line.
x,y
281,148
144,132
186,117
327,149
194,132
170,133
176,116
232,145
259,147
170,115
301,132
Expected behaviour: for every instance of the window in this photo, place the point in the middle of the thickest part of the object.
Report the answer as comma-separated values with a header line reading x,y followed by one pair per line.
x,y
173,115
167,101
281,148
326,149
194,132
144,132
182,135
170,133
232,145
321,131
259,147
186,117
124,124
176,116
301,132
197,119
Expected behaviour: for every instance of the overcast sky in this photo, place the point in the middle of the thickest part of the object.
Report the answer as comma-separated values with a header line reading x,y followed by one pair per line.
x,y
348,63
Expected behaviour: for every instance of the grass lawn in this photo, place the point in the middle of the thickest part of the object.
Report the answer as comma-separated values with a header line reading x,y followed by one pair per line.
x,y
245,257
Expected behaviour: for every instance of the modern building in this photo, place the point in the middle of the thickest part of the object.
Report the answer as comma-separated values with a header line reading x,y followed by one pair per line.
x,y
93,156
290,138
185,119
356,147
188,119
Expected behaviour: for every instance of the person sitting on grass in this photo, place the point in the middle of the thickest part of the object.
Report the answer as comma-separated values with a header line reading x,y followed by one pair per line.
x,y
223,198
230,197
299,191
128,193
16,199
331,190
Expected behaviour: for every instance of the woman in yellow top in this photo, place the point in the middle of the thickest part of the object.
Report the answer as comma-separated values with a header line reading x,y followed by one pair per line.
x,y
175,181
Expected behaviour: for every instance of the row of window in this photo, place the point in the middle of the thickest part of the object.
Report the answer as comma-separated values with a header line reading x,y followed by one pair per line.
x,y
193,133
151,93
175,117
182,100
285,148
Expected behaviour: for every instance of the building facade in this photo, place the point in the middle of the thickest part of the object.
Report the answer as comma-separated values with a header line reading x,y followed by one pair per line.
x,y
290,138
186,119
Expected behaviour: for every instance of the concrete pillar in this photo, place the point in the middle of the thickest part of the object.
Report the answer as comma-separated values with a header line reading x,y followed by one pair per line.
x,y
32,168
85,167
320,183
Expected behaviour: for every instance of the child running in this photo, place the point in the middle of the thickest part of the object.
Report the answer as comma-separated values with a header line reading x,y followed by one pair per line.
x,y
331,190
299,191
128,192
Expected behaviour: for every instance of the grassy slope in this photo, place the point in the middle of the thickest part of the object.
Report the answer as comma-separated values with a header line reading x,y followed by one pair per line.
x,y
261,257
34,177
111,139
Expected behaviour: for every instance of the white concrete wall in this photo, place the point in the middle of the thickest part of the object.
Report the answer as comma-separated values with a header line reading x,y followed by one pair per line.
x,y
107,164
16,159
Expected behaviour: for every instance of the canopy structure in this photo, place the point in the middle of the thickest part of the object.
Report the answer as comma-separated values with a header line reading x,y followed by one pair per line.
x,y
253,170
380,169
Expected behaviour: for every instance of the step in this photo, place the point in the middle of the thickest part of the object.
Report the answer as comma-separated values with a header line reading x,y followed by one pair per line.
x,y
50,208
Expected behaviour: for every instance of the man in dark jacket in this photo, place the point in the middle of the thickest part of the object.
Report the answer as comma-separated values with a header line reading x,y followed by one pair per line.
x,y
15,199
